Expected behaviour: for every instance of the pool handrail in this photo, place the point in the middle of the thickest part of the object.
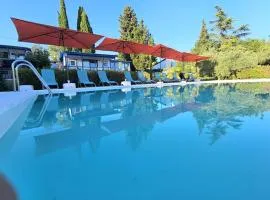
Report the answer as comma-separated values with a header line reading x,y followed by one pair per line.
x,y
15,74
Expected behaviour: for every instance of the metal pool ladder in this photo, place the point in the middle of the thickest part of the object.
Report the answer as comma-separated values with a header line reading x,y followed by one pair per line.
x,y
15,74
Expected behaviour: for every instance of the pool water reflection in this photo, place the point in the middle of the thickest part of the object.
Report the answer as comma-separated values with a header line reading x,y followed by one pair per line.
x,y
181,142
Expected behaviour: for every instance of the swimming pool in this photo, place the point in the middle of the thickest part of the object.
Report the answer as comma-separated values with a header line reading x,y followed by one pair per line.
x,y
182,142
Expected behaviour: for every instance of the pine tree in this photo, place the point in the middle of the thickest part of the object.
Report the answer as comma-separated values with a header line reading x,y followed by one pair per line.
x,y
142,35
62,18
128,23
202,44
224,25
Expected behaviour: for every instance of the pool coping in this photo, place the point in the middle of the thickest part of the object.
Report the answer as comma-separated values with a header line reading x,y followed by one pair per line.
x,y
126,88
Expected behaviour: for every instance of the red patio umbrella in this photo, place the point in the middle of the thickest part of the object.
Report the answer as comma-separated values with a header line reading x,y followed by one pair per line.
x,y
122,46
44,34
163,51
189,57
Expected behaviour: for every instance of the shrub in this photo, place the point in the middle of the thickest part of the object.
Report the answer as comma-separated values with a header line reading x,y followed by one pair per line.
x,y
230,62
3,86
27,77
39,57
255,72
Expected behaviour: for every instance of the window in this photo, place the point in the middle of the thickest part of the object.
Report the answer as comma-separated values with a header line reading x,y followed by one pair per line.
x,y
4,55
13,56
79,63
105,64
86,64
72,63
93,64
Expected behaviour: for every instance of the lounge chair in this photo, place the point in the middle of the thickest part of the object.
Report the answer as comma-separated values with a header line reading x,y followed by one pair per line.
x,y
182,76
49,77
84,79
104,79
142,78
157,76
167,80
129,78
190,78
162,77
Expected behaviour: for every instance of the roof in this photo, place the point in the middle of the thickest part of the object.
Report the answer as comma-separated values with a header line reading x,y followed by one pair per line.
x,y
94,55
14,47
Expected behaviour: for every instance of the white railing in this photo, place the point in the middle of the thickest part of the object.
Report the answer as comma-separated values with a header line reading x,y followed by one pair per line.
x,y
15,74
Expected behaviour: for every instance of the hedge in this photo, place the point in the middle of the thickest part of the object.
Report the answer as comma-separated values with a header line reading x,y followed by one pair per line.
x,y
3,86
27,77
256,72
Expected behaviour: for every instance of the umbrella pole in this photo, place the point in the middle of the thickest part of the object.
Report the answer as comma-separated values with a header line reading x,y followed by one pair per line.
x,y
63,43
68,80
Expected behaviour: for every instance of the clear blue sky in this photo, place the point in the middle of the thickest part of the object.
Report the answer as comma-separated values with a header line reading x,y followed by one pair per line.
x,y
175,23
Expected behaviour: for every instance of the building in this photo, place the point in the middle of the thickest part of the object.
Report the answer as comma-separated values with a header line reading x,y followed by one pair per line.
x,y
7,55
93,61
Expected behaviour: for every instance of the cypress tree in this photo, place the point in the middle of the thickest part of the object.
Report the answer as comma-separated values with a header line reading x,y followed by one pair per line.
x,y
62,18
128,24
203,42
79,18
86,27
62,15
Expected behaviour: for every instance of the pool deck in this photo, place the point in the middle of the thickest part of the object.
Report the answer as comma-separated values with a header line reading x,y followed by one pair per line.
x,y
13,104
126,88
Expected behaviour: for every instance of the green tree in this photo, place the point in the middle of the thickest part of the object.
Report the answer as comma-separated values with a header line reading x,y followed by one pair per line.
x,y
79,18
233,60
54,53
85,27
143,36
63,19
62,15
223,24
203,42
128,24
39,57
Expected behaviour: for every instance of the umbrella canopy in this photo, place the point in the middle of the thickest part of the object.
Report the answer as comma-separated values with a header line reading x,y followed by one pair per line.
x,y
163,51
122,46
189,57
45,34
201,58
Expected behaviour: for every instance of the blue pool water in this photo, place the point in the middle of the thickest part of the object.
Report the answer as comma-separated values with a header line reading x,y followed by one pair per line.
x,y
184,142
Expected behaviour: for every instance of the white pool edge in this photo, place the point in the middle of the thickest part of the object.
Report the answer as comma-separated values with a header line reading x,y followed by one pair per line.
x,y
104,88
13,104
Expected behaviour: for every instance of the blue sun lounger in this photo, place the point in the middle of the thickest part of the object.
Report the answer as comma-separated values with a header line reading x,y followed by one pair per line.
x,y
49,77
142,78
128,77
84,79
104,79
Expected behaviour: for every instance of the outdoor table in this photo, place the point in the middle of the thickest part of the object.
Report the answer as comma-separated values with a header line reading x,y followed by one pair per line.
x,y
126,83
69,86
25,88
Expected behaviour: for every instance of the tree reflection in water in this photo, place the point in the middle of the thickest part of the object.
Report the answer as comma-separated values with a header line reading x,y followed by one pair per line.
x,y
88,117
225,105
